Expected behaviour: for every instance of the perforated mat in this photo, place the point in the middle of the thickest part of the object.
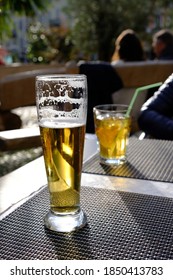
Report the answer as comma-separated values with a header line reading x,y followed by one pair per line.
x,y
147,159
120,226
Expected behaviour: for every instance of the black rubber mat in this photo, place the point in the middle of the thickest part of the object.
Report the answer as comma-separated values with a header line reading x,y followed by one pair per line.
x,y
120,225
147,159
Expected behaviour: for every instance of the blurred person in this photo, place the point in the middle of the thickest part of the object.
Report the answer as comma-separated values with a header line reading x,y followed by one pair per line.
x,y
162,49
156,115
3,53
128,48
162,45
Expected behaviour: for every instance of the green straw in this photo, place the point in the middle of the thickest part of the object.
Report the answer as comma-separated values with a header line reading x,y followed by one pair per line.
x,y
137,91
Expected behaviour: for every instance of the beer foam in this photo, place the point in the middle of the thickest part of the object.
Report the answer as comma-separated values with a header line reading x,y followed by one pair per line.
x,y
53,100
61,98
78,81
54,123
50,113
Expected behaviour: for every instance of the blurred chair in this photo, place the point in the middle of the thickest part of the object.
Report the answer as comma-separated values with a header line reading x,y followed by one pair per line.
x,y
19,143
18,90
103,81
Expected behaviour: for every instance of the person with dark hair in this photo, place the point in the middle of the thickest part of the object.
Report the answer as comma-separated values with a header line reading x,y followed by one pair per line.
x,y
128,48
163,44
162,49
156,115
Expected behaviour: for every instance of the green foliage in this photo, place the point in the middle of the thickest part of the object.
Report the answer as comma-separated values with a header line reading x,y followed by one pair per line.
x,y
98,22
46,45
39,48
20,7
27,7
94,25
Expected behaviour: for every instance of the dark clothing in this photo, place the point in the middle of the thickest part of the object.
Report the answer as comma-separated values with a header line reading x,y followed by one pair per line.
x,y
102,81
167,54
156,117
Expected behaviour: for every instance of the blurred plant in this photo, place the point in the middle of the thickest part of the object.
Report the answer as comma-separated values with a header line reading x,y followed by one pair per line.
x,y
8,8
96,24
47,45
59,39
39,48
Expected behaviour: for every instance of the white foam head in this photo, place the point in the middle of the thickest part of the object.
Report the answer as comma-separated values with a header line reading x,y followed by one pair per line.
x,y
61,97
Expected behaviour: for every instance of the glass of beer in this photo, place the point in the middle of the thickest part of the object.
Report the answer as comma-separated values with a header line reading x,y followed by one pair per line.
x,y
112,129
61,102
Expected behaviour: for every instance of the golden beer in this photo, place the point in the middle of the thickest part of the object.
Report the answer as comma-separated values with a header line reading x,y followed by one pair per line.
x,y
61,102
63,155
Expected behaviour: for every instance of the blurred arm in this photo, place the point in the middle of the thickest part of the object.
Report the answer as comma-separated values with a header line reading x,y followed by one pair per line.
x,y
156,114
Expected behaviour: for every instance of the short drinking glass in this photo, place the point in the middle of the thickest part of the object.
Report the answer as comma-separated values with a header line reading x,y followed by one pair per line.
x,y
62,108
112,128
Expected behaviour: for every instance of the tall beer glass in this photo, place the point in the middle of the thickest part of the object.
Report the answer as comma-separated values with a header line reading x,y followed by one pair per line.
x,y
62,109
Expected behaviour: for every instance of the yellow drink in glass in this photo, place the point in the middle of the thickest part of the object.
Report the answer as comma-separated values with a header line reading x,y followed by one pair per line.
x,y
61,102
112,128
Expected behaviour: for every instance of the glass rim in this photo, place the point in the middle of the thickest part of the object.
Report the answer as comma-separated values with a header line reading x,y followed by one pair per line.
x,y
60,76
111,107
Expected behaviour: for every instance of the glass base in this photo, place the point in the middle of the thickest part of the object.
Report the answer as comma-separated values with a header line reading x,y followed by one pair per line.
x,y
65,222
113,162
